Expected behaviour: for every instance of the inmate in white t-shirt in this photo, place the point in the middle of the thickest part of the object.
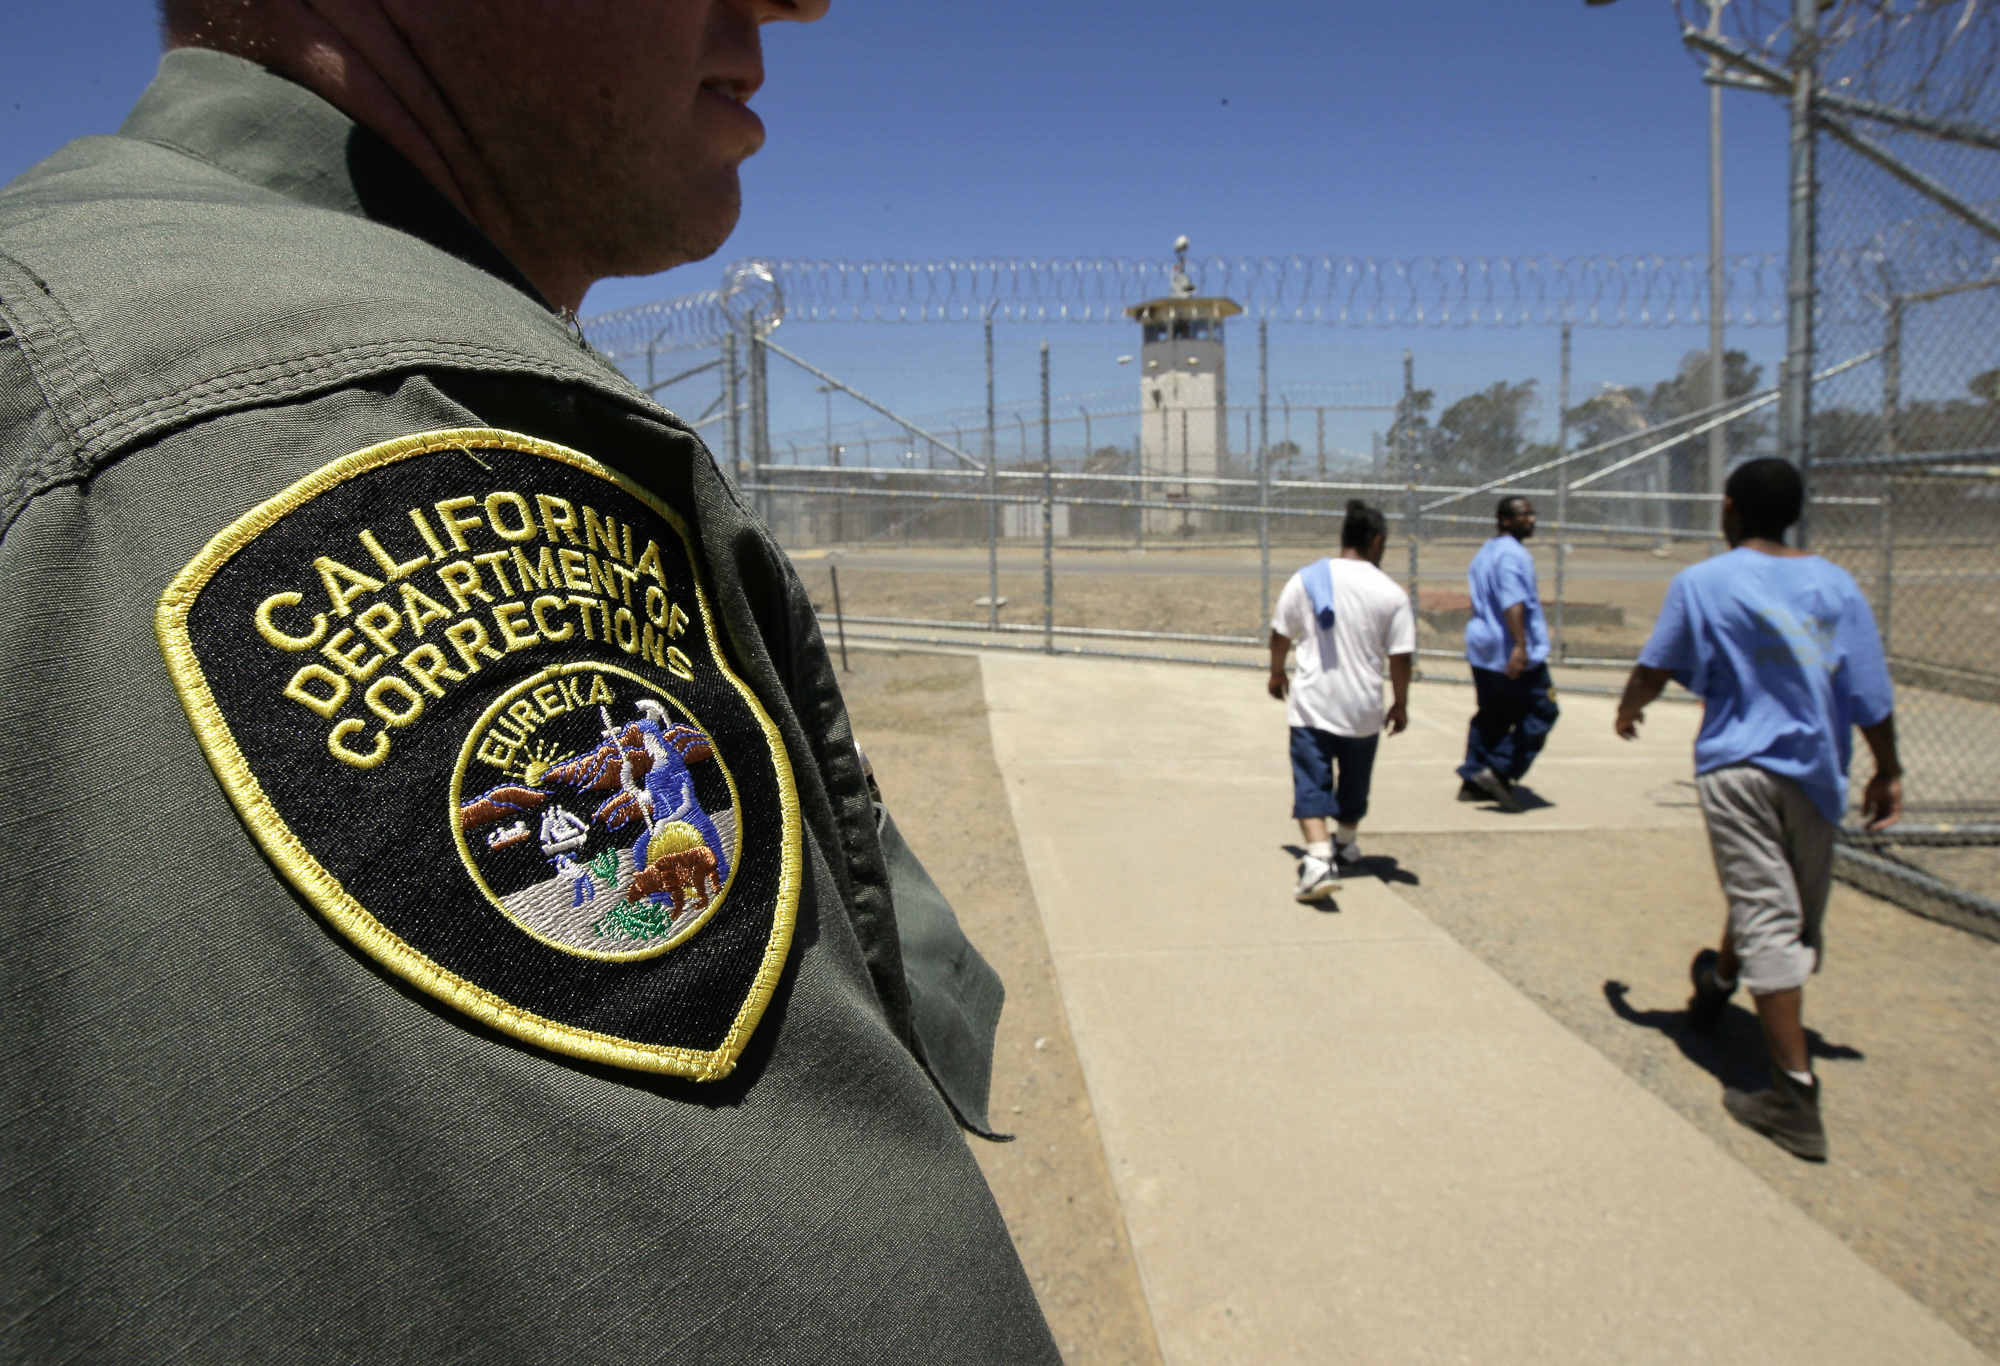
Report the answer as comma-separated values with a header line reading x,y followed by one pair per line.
x,y
1371,621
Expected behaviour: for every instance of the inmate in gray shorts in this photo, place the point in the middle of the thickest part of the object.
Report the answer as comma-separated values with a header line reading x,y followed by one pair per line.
x,y
1774,854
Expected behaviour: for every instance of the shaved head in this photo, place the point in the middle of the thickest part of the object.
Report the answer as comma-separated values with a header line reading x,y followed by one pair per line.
x,y
587,138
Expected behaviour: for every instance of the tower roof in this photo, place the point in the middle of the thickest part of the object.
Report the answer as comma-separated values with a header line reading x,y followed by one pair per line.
x,y
1183,306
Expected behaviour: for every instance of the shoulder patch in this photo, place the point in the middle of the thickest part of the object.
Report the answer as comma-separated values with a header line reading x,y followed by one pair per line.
x,y
465,690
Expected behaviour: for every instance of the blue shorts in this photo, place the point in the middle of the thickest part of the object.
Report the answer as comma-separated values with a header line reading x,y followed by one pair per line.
x,y
1315,755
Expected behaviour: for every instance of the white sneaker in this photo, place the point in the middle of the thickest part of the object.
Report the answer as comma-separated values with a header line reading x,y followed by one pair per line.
x,y
1348,854
1317,880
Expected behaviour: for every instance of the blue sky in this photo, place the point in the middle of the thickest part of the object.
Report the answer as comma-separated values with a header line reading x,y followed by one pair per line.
x,y
1103,127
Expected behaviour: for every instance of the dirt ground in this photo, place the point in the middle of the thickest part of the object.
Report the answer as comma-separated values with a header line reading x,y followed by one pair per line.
x,y
1901,1016
922,719
1900,1019
1973,867
1947,740
1210,591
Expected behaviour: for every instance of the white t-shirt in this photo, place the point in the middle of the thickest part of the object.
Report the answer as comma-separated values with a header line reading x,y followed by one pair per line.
x,y
1371,621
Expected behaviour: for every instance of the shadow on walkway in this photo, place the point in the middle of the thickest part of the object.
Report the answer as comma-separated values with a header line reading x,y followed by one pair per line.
x,y
1530,800
1732,1052
1382,867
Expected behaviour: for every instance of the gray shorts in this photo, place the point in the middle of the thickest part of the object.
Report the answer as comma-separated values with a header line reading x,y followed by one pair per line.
x,y
1774,854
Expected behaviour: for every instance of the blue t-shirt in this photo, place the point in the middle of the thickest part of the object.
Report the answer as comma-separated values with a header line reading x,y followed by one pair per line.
x,y
1502,575
1784,652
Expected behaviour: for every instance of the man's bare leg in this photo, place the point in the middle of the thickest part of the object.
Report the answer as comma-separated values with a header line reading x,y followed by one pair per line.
x,y
1314,829
1782,1013
1713,974
1788,1112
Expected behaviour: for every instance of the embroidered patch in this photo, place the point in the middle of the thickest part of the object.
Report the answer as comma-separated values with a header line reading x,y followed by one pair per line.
x,y
465,690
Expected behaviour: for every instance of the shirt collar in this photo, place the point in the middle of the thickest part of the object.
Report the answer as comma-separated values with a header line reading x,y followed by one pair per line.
x,y
273,132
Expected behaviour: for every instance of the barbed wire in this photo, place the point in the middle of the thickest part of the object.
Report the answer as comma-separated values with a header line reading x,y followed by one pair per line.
x,y
1432,292
1935,57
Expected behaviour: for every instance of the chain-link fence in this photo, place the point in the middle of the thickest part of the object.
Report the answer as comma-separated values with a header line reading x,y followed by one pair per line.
x,y
1896,110
1173,526
1921,430
1919,427
1145,521
1096,553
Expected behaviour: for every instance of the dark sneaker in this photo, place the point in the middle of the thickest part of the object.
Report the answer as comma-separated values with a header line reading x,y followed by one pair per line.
x,y
1493,787
1787,1114
1706,1005
1346,855
1468,793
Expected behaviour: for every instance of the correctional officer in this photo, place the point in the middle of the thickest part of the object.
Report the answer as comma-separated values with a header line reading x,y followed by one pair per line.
x,y
328,542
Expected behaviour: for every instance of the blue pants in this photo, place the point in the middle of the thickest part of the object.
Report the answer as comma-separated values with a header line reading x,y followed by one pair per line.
x,y
1513,722
1314,755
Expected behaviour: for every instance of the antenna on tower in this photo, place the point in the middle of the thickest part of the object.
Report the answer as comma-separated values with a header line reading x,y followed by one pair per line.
x,y
1179,282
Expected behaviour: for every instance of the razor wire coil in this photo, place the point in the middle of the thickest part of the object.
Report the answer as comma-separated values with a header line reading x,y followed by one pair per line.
x,y
1333,291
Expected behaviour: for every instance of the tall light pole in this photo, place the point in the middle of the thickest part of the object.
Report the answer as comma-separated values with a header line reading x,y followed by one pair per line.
x,y
1718,437
992,490
1717,462
832,455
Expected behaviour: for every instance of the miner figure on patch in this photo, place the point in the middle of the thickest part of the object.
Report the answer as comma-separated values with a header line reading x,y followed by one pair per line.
x,y
647,761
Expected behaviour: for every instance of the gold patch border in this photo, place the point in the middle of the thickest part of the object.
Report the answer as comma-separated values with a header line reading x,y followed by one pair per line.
x,y
639,955
170,626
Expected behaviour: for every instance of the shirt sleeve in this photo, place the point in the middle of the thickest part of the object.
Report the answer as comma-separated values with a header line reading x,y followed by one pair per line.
x,y
1672,645
1402,633
1516,580
1288,616
1865,675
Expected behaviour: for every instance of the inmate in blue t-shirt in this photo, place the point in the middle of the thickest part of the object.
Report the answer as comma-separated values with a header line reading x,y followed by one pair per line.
x,y
1502,575
1784,652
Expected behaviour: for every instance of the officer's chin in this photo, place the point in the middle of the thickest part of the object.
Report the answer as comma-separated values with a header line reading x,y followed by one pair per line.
x,y
701,221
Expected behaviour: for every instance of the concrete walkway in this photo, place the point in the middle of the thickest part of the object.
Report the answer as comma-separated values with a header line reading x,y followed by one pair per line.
x,y
1338,1136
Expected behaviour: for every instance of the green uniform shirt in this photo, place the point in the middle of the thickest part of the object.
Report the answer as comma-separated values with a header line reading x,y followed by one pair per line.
x,y
445,918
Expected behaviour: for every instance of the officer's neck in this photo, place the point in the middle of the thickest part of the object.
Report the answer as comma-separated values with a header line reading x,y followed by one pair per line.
x,y
358,62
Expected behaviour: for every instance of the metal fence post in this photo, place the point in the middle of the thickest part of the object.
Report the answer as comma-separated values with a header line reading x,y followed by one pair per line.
x,y
992,491
1795,406
1892,375
1885,517
839,617
1048,520
1139,483
1263,471
1562,494
734,425
760,419
1406,457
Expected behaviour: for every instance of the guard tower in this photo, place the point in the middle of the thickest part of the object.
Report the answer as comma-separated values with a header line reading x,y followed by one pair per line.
x,y
1183,398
